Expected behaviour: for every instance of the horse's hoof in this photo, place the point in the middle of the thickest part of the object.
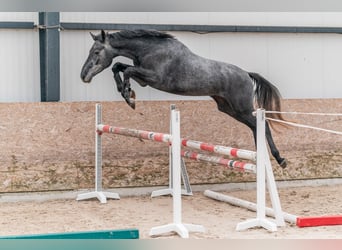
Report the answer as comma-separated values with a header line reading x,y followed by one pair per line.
x,y
283,163
131,99
132,104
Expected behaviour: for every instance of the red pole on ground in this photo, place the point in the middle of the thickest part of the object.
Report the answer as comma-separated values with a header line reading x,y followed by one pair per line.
x,y
319,221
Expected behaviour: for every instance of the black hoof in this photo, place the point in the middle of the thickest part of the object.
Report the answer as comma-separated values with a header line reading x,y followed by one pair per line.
x,y
283,163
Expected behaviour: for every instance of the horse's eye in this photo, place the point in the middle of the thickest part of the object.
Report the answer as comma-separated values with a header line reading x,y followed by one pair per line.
x,y
97,52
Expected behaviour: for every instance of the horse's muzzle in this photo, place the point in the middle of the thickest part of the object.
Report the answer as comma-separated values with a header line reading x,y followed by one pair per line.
x,y
86,77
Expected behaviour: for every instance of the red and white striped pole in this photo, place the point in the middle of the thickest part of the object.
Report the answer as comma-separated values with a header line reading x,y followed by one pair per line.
x,y
234,152
141,134
236,165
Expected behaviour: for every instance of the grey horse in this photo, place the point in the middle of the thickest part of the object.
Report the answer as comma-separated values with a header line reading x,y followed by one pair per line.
x,y
164,63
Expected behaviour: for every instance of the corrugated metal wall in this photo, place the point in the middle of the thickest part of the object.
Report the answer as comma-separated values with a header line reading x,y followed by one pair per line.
x,y
301,65
19,60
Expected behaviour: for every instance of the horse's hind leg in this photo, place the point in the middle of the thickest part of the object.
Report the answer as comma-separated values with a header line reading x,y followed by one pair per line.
x,y
250,120
274,151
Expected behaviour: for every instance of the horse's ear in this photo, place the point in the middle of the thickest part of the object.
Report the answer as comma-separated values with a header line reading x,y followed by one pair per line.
x,y
103,35
93,36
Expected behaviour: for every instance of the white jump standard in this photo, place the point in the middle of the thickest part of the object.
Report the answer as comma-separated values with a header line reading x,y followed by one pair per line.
x,y
98,193
177,225
185,177
264,173
263,165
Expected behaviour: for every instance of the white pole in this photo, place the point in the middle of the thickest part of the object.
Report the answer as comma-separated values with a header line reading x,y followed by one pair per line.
x,y
176,162
248,205
260,220
261,161
172,107
169,190
98,193
273,192
177,226
98,149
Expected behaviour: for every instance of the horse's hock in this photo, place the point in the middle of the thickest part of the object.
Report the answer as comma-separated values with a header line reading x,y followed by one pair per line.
x,y
50,146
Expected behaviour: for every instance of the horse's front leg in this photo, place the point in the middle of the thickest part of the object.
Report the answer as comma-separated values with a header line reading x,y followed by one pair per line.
x,y
142,76
116,69
128,94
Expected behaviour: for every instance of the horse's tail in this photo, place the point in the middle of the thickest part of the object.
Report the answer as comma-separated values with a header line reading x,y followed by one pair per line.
x,y
267,96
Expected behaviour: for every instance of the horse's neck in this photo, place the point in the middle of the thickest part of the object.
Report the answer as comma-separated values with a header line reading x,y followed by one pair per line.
x,y
133,48
124,48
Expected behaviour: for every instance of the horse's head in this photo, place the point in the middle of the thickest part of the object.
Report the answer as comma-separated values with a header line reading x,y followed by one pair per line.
x,y
100,57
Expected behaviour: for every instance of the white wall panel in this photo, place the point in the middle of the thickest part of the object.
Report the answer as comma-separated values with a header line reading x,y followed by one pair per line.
x,y
19,66
19,17
19,63
105,17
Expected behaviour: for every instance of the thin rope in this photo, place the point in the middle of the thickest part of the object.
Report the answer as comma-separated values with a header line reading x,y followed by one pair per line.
x,y
303,113
305,126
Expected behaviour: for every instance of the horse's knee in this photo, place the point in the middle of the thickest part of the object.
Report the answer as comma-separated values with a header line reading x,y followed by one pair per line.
x,y
117,67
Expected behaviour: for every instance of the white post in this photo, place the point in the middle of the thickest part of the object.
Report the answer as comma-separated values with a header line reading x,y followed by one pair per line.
x,y
98,193
98,149
176,166
260,220
169,190
176,226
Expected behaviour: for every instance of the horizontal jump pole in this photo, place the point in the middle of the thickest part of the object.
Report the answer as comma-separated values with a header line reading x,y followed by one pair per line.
x,y
248,205
234,152
236,165
141,134
161,137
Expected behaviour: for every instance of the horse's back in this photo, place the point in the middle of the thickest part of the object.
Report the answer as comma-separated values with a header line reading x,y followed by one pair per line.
x,y
183,72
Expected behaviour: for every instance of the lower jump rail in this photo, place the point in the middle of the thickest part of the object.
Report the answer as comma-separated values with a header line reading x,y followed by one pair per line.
x,y
236,165
224,150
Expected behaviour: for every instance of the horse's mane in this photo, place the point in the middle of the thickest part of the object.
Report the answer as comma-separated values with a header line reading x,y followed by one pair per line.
x,y
129,34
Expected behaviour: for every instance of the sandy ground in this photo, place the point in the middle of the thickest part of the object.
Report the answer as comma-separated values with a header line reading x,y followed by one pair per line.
x,y
143,213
